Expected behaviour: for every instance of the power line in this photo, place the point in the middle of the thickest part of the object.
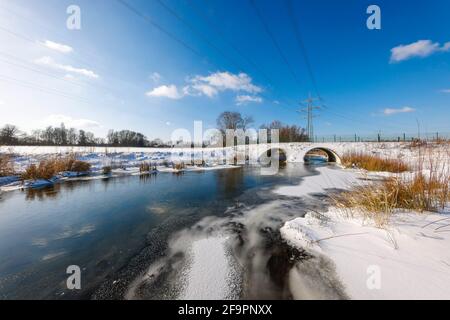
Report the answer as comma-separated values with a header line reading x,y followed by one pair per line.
x,y
204,38
174,37
28,39
159,27
196,32
274,41
309,110
38,23
209,22
39,71
298,36
48,74
175,14
51,91
199,13
25,38
41,88
296,27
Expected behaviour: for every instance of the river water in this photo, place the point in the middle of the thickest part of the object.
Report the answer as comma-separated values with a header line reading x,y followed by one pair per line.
x,y
116,228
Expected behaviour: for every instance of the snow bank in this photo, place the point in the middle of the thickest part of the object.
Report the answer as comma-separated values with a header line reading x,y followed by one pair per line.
x,y
409,260
8,180
126,157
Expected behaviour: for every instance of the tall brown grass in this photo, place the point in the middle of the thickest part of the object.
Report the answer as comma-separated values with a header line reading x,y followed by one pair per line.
x,y
179,166
144,167
6,165
50,167
427,189
79,166
106,170
372,162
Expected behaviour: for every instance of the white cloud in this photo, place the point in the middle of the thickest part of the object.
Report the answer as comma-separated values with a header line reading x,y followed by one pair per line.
x,y
445,90
201,89
47,61
170,91
63,48
168,123
244,99
210,86
421,48
69,122
391,111
220,81
155,77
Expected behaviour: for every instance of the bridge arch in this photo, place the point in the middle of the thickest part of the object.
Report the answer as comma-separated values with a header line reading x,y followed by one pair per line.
x,y
266,156
330,154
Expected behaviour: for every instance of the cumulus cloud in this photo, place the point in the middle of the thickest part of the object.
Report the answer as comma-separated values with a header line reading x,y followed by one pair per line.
x,y
63,48
170,91
69,122
391,111
421,48
245,99
220,81
210,86
47,61
199,89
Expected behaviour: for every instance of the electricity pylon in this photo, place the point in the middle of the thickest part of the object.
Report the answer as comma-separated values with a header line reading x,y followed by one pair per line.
x,y
308,109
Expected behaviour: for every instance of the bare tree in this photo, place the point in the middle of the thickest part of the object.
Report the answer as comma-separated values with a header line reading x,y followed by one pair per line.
x,y
8,134
233,120
286,132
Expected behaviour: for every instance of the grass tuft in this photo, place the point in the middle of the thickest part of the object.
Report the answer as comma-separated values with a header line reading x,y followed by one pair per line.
x,y
144,167
179,166
378,201
107,170
6,165
371,162
48,168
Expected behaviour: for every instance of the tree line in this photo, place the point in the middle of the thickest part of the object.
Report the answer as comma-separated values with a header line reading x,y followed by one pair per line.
x,y
62,136
287,133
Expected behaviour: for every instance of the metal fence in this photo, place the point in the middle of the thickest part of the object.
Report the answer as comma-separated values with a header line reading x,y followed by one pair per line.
x,y
382,137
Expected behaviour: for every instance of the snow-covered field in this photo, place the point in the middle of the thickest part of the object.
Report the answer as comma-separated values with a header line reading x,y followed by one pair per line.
x,y
123,161
99,157
295,151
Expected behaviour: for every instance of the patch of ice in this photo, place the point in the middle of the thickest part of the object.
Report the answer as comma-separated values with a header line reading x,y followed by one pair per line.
x,y
208,273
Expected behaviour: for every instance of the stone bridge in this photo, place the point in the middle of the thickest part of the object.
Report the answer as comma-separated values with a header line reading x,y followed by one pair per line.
x,y
291,152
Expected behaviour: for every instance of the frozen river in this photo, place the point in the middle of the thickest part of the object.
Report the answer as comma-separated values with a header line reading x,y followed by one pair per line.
x,y
115,229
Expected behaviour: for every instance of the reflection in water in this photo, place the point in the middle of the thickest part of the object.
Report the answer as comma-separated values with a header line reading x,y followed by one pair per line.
x,y
147,177
229,181
44,193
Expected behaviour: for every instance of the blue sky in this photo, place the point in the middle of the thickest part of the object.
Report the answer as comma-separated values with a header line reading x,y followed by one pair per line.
x,y
121,72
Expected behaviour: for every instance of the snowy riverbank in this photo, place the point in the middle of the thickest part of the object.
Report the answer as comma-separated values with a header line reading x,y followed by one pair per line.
x,y
408,259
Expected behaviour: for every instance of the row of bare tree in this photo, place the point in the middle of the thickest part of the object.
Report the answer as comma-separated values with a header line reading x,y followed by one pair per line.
x,y
62,136
287,133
